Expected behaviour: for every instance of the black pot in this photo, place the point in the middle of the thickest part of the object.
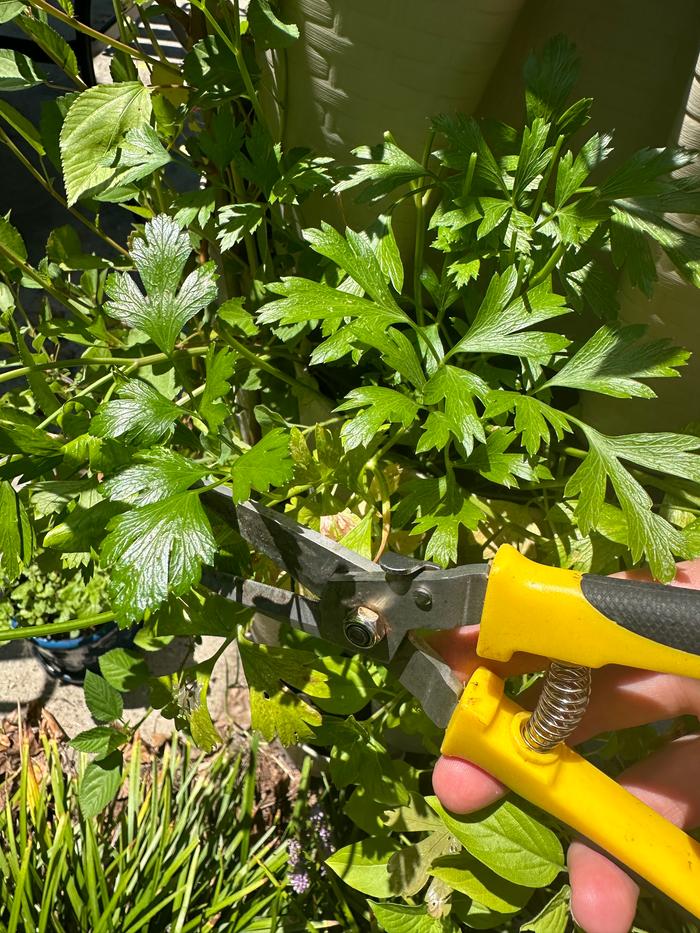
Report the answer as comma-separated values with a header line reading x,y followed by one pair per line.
x,y
67,659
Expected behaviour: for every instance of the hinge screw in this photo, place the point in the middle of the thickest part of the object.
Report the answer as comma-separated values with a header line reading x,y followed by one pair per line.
x,y
423,599
363,628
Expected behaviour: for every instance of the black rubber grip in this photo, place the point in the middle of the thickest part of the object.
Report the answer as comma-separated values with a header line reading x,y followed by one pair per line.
x,y
669,615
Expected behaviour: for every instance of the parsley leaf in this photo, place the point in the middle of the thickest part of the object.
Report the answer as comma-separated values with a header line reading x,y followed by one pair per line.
x,y
159,473
16,534
153,550
648,535
141,415
160,258
220,365
380,406
313,301
267,463
613,361
459,420
533,418
383,168
275,710
501,319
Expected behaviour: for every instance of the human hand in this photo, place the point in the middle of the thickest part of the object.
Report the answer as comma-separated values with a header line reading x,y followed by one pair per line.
x,y
603,897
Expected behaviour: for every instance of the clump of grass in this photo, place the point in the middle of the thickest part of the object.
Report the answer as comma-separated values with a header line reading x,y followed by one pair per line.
x,y
179,850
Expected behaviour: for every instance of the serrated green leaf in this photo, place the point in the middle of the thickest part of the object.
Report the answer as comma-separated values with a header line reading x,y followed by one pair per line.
x,y
313,301
100,741
648,535
631,251
358,758
158,474
140,154
9,9
275,711
554,916
509,841
17,72
22,125
160,258
267,463
464,271
399,918
220,365
233,313
550,78
95,126
458,512
571,173
501,321
99,784
382,169
350,684
156,549
380,406
534,157
455,388
464,140
104,702
11,239
16,534
354,254
124,669
614,360
388,253
364,865
409,867
646,173
469,876
238,220
198,205
53,44
141,415
267,28
534,420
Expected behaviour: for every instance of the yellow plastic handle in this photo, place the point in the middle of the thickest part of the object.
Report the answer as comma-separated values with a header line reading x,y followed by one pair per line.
x,y
486,729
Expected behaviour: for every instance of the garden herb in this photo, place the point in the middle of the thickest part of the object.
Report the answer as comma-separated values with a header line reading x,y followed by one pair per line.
x,y
423,400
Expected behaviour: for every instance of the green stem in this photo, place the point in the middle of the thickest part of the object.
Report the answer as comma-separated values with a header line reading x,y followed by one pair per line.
x,y
269,368
548,267
93,228
135,363
56,628
31,273
542,189
419,246
102,37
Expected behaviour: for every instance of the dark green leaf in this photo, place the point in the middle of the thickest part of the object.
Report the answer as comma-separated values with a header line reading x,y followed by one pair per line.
x,y
466,874
156,549
124,669
16,534
465,144
100,741
141,415
17,72
104,702
11,240
82,528
268,463
160,258
550,78
55,46
99,784
21,124
267,28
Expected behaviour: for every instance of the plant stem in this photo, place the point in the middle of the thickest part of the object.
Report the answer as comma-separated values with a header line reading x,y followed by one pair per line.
x,y
56,628
93,228
419,247
102,37
135,362
542,189
548,266
259,363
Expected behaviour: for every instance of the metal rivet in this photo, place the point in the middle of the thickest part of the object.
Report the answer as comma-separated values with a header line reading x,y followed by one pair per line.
x,y
423,599
363,628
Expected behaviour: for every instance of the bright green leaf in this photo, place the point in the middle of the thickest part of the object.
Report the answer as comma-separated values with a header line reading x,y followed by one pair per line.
x,y
160,258
55,46
267,28
141,415
364,865
509,841
17,72
267,463
399,918
124,669
156,549
16,534
554,916
99,784
100,740
469,876
382,169
220,365
237,221
379,406
308,301
95,126
104,702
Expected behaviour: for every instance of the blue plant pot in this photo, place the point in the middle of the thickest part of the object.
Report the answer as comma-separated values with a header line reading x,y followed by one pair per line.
x,y
67,659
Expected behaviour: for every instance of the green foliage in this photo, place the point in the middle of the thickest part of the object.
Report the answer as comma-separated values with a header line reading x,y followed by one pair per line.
x,y
40,596
428,405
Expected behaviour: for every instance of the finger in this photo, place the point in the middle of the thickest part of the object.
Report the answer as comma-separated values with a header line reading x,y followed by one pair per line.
x,y
603,898
463,787
457,646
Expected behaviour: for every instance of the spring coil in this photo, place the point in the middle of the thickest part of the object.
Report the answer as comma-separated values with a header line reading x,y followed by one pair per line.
x,y
560,708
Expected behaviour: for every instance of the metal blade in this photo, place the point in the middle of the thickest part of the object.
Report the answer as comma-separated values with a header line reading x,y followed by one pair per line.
x,y
306,555
282,605
428,678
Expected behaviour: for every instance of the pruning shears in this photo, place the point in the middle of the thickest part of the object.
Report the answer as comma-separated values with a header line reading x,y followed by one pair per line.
x,y
579,621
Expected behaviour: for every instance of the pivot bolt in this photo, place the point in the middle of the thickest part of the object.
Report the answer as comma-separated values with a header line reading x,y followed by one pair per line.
x,y
423,599
363,628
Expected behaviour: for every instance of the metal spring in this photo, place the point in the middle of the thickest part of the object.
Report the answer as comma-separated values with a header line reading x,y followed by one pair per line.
x,y
560,708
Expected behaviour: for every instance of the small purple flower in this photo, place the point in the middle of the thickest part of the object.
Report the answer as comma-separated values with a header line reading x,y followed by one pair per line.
x,y
299,882
294,852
